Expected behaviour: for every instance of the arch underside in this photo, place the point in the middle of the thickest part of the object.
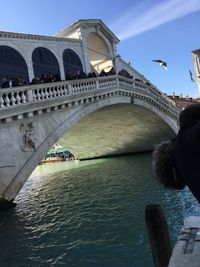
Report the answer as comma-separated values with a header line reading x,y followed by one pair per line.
x,y
98,52
107,128
134,129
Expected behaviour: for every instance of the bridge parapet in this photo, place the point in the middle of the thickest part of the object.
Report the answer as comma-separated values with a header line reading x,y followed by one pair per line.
x,y
28,100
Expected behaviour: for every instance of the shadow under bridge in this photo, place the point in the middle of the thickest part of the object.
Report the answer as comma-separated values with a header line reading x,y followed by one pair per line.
x,y
116,130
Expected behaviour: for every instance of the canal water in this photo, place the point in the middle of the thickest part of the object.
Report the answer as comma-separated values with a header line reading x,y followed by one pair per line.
x,y
88,214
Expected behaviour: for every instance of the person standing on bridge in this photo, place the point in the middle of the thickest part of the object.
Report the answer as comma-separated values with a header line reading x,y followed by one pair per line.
x,y
176,163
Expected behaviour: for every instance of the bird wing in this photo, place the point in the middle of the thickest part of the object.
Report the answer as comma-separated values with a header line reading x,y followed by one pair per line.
x,y
157,60
162,63
165,66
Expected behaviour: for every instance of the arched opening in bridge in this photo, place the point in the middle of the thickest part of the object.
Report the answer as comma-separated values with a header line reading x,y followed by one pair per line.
x,y
44,62
12,64
98,52
71,62
115,130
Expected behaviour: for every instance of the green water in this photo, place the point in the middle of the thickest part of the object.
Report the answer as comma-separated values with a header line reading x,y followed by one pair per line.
x,y
88,214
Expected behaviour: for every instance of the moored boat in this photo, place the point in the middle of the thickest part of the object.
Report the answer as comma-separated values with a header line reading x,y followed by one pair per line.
x,y
58,153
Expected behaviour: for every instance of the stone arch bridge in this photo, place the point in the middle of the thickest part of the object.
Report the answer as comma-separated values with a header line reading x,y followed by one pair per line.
x,y
34,117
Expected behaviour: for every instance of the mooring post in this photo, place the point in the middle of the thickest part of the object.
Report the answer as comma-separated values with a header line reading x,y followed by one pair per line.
x,y
158,235
5,204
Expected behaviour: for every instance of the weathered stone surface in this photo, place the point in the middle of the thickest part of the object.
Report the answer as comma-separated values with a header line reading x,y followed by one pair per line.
x,y
115,130
186,252
136,129
34,117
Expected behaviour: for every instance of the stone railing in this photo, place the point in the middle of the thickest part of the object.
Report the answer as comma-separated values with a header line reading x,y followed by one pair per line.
x,y
14,96
11,97
25,95
148,91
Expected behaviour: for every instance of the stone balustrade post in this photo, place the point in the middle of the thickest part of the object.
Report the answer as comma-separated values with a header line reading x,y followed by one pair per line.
x,y
117,80
29,96
133,84
97,84
69,89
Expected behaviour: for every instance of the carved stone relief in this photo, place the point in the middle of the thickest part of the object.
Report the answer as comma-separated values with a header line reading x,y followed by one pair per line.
x,y
29,137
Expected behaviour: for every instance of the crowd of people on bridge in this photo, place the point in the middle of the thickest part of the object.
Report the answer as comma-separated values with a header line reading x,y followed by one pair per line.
x,y
13,82
69,75
46,78
125,73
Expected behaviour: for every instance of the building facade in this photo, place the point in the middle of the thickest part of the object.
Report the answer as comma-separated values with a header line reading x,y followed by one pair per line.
x,y
196,62
87,45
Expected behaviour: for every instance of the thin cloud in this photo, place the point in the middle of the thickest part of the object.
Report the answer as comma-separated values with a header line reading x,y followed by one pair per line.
x,y
145,17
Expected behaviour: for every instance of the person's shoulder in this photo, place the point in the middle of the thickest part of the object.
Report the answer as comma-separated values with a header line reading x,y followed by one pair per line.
x,y
188,139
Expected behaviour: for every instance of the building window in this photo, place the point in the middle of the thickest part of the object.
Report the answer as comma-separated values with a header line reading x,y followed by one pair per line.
x,y
12,64
44,62
71,61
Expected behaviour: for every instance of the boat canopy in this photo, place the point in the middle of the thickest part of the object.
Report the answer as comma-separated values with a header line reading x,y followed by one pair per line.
x,y
60,150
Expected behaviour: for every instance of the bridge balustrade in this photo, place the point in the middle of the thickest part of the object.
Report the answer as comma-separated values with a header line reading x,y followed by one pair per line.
x,y
125,81
12,97
43,92
24,95
107,82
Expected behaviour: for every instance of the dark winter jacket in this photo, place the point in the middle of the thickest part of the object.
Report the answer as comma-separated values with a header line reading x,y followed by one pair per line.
x,y
186,154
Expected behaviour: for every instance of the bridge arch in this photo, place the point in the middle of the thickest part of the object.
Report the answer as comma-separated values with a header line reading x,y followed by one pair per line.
x,y
52,128
12,63
44,62
71,61
99,52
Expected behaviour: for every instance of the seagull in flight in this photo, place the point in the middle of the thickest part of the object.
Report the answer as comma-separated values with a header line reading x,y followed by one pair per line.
x,y
162,63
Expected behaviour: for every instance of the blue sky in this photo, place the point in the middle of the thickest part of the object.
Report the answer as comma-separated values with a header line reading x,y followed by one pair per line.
x,y
149,29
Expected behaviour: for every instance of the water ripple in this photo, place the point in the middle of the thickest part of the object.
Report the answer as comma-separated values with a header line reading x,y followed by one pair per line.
x,y
89,215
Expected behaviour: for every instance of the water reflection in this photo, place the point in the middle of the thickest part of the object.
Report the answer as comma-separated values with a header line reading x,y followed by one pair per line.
x,y
88,214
